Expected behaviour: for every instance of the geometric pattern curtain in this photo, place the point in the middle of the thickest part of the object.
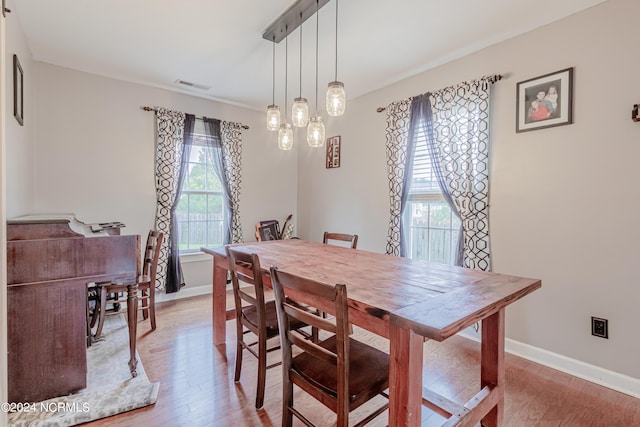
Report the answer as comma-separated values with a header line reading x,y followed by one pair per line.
x,y
461,133
231,136
397,135
169,140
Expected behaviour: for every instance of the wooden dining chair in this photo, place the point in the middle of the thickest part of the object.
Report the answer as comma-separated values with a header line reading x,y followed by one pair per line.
x,y
349,238
111,293
253,315
340,372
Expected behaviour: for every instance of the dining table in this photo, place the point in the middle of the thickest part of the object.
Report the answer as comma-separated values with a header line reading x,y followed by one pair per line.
x,y
407,301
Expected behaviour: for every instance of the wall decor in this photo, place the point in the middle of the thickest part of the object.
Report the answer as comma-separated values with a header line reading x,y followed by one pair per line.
x,y
545,101
18,91
333,152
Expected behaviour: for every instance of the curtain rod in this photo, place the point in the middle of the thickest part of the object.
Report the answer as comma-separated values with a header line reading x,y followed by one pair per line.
x,y
147,108
492,79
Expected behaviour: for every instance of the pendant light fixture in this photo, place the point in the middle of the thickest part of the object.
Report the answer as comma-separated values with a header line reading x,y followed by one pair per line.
x,y
300,110
315,130
285,134
273,111
336,98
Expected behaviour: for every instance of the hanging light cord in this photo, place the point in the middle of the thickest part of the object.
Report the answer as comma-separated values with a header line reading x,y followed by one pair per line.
x,y
300,96
273,73
317,26
286,69
336,79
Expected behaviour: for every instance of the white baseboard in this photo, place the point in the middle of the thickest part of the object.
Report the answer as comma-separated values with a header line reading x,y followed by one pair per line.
x,y
185,292
595,374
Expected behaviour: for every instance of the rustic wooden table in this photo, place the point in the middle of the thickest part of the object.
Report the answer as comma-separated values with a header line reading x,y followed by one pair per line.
x,y
406,301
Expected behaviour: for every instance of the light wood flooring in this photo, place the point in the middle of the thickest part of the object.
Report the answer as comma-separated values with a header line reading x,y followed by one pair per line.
x,y
197,387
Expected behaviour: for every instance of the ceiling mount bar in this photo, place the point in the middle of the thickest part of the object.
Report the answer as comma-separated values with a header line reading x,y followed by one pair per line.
x,y
286,23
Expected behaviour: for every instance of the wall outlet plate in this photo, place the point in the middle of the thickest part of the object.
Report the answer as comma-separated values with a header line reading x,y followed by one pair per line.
x,y
599,327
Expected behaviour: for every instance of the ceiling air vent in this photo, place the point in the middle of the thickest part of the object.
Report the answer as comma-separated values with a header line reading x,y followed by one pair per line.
x,y
193,85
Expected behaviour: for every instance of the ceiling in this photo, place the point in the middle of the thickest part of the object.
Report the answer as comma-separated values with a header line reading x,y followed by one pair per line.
x,y
219,44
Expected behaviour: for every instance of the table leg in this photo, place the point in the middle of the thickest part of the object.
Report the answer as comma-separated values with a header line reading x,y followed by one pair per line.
x,y
132,318
492,364
219,301
405,377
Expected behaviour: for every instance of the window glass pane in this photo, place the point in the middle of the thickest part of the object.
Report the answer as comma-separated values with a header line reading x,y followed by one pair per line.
x,y
215,220
432,228
433,231
200,212
197,170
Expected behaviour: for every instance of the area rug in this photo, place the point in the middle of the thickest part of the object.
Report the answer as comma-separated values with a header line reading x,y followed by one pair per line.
x,y
110,387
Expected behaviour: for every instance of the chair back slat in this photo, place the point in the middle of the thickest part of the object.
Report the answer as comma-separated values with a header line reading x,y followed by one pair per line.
x,y
246,268
352,239
151,255
311,319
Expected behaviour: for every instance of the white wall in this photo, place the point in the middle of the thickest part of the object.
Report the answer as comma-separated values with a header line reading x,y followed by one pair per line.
x,y
564,200
20,171
95,154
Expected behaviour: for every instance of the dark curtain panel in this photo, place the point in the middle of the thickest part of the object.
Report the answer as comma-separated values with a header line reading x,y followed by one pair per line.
x,y
175,280
421,108
214,140
408,176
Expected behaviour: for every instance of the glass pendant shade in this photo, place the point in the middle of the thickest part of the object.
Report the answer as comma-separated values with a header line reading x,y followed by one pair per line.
x,y
315,131
273,117
285,137
300,112
336,99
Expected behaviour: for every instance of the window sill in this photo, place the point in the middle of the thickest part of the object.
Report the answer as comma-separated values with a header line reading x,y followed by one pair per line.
x,y
195,257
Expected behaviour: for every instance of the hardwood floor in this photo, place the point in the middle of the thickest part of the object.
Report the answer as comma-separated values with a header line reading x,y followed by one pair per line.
x,y
197,387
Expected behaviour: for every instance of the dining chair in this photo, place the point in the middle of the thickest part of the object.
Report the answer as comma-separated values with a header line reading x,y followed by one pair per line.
x,y
340,372
352,239
253,315
111,293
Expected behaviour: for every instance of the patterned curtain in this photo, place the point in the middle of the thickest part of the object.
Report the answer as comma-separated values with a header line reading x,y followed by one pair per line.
x,y
231,136
169,140
461,133
397,142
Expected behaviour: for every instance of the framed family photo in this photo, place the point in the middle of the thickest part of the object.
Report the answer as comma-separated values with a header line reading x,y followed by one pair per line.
x,y
545,101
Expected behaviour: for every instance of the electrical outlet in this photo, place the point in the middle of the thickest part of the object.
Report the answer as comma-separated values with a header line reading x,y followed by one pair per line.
x,y
599,327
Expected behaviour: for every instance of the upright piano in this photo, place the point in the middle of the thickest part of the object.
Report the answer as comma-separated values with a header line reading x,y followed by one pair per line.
x,y
50,261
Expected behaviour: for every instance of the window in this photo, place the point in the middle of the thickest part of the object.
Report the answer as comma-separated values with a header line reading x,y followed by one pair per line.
x,y
200,212
433,229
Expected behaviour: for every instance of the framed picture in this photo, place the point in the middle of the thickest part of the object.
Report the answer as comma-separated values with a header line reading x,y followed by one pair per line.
x,y
545,101
18,91
269,232
333,152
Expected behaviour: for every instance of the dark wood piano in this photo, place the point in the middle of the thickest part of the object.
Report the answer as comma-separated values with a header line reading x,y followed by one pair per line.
x,y
50,261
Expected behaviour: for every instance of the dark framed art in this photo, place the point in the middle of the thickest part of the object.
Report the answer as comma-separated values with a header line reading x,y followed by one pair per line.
x,y
333,152
545,101
18,91
269,232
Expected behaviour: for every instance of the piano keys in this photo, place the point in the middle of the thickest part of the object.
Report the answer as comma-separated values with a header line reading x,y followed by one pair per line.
x,y
50,261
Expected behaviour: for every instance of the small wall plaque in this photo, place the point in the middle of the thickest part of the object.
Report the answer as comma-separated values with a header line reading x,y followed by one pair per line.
x,y
333,152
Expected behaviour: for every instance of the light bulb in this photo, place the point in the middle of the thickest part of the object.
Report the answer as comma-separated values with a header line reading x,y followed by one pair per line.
x,y
315,131
300,112
285,137
336,99
273,117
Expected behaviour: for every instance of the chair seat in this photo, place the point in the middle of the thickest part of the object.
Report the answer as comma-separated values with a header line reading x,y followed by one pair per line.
x,y
250,314
368,371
